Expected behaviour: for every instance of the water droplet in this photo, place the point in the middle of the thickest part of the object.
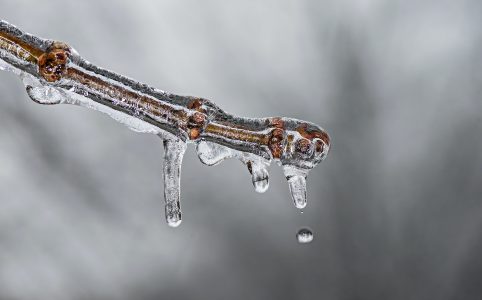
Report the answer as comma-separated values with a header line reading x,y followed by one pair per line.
x,y
304,236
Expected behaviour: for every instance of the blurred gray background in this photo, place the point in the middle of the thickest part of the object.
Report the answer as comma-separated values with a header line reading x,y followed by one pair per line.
x,y
396,208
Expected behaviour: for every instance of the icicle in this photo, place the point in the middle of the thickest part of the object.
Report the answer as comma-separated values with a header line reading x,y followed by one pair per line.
x,y
173,154
298,190
297,181
259,174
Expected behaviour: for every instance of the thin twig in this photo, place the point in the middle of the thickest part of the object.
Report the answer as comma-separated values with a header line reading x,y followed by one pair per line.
x,y
55,73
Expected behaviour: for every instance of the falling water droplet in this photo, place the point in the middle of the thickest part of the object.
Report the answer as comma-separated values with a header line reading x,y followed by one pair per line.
x,y
304,236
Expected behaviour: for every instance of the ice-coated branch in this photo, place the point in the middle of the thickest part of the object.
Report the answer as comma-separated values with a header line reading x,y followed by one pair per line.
x,y
54,73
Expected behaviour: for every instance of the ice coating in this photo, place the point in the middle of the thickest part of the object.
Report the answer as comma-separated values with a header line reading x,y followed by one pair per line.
x,y
54,73
212,154
3,65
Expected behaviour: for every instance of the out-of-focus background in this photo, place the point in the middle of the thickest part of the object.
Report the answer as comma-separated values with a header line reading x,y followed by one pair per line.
x,y
396,208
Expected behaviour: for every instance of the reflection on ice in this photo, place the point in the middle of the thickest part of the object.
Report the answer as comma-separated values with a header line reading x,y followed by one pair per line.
x,y
54,73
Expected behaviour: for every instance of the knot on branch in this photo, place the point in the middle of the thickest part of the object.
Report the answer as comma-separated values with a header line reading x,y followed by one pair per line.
x,y
196,123
275,142
52,63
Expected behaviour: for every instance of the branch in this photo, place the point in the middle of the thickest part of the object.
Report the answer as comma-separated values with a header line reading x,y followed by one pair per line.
x,y
55,73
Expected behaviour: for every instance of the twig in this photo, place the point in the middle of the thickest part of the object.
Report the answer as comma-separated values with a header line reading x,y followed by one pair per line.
x,y
55,73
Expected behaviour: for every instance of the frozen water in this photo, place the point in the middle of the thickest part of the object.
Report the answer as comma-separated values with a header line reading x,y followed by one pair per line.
x,y
297,182
304,236
45,95
212,154
296,145
3,65
298,190
259,175
173,153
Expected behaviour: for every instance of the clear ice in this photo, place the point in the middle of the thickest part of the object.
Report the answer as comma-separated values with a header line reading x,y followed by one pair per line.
x,y
173,153
54,73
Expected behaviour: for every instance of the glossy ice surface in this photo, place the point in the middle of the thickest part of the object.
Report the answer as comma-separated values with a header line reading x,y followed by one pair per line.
x,y
54,73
